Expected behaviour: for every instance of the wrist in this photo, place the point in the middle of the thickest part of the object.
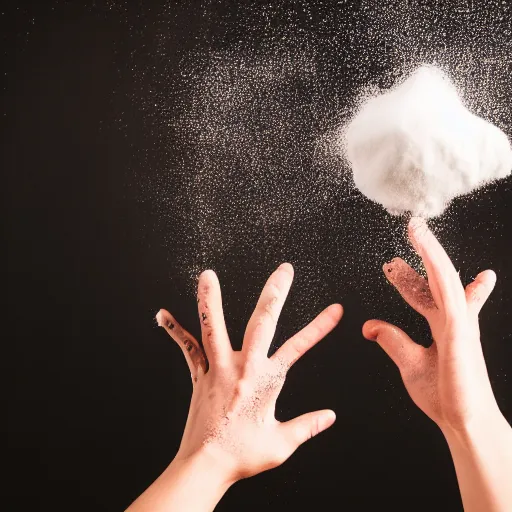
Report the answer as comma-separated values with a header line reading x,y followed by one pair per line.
x,y
193,483
475,429
482,457
206,465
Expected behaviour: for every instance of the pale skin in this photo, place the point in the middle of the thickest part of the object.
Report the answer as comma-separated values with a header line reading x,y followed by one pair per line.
x,y
231,432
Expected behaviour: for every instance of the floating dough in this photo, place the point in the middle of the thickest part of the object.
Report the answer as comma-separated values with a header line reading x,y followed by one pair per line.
x,y
416,147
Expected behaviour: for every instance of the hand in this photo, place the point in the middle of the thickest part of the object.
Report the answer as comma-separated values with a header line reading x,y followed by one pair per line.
x,y
448,381
231,416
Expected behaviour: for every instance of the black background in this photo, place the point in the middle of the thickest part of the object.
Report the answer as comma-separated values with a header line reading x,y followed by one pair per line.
x,y
97,395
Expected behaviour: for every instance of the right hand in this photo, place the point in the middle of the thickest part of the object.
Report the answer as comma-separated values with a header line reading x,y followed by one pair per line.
x,y
448,381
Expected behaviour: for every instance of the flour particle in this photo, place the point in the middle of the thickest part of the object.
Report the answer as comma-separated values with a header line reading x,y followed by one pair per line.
x,y
417,147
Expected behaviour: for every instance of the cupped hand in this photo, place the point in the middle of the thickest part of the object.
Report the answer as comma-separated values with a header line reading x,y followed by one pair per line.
x,y
448,381
231,416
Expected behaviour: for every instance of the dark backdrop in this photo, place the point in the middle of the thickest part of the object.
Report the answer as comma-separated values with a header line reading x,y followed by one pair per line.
x,y
104,107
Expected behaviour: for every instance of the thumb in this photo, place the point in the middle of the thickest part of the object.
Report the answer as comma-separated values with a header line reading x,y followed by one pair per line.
x,y
479,290
404,352
301,429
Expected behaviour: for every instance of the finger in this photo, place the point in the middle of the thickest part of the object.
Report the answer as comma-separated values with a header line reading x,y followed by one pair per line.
x,y
443,279
396,343
191,348
306,338
301,429
262,324
213,328
479,290
412,287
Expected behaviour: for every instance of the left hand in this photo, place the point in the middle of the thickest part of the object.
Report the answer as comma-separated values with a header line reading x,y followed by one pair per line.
x,y
231,417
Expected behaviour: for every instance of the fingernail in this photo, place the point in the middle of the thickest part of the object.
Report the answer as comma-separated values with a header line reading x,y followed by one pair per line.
x,y
416,222
159,319
371,335
327,419
286,267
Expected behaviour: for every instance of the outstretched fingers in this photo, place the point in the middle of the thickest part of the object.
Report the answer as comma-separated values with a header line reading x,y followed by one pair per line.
x,y
262,324
479,290
211,316
191,348
443,279
300,343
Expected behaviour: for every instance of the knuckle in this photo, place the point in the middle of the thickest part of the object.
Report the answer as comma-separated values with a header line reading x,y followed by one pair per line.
x,y
315,429
281,366
268,311
268,308
250,367
242,388
299,345
274,289
189,345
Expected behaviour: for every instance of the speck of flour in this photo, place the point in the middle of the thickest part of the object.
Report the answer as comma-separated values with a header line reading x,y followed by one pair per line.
x,y
241,167
416,147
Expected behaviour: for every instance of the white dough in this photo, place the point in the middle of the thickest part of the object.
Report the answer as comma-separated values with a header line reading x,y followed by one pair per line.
x,y
416,147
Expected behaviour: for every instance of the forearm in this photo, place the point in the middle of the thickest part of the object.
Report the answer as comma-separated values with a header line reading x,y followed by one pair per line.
x,y
482,456
194,484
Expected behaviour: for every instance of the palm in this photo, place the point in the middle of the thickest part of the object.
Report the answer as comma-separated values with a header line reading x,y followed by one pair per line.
x,y
445,380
